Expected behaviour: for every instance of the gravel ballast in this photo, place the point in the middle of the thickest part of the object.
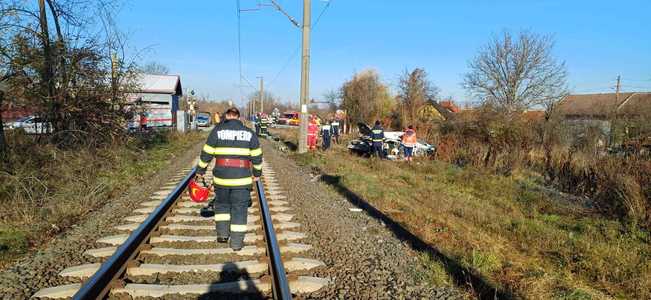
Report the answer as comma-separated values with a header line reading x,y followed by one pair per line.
x,y
39,270
364,260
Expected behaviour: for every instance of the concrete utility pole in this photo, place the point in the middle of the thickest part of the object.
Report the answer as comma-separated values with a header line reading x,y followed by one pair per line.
x,y
261,94
617,88
305,75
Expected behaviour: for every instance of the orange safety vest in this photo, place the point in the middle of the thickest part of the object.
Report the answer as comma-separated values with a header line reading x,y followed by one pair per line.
x,y
409,138
312,128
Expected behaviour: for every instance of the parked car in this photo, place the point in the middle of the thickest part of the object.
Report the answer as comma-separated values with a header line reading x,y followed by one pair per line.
x,y
31,125
203,119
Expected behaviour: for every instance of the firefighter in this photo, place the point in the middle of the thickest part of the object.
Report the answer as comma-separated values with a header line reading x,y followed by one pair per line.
x,y
264,124
312,130
238,156
326,131
377,137
335,130
256,120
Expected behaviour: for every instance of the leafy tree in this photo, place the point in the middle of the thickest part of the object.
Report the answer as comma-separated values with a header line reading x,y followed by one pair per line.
x,y
365,98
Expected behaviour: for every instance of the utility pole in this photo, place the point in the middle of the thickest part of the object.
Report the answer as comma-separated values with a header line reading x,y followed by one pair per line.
x,y
261,94
305,75
617,88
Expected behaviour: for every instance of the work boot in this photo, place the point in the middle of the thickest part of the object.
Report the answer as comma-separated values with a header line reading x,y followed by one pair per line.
x,y
236,248
207,211
222,240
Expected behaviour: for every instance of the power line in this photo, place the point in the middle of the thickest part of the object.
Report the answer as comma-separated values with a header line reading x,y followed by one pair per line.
x,y
295,53
239,45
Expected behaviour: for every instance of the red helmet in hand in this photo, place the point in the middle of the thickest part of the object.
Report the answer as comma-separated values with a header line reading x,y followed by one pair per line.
x,y
198,193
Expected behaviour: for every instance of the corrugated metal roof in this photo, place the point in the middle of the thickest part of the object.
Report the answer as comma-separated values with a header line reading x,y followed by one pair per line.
x,y
160,84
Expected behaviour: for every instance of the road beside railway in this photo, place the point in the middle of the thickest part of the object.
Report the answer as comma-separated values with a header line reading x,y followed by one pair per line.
x,y
40,270
363,258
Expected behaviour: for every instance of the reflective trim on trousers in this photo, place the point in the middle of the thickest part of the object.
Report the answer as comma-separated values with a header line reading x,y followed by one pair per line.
x,y
238,228
222,217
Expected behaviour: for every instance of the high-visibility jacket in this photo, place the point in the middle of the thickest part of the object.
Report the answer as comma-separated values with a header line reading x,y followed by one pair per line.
x,y
335,127
326,129
377,134
231,139
409,138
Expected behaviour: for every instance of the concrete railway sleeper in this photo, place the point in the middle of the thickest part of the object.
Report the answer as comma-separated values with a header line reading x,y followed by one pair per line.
x,y
167,249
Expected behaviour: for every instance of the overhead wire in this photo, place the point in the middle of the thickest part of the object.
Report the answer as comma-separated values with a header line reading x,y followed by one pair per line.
x,y
296,51
239,45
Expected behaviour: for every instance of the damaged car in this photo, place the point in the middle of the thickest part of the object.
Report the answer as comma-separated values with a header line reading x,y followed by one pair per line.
x,y
392,147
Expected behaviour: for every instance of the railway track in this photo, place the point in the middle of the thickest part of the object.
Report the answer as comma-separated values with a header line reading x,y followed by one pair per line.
x,y
166,249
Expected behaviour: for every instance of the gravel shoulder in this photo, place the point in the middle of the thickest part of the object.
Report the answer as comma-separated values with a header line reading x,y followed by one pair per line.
x,y
364,259
39,270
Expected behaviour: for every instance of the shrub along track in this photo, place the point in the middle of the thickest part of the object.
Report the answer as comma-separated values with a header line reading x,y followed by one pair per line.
x,y
181,258
40,269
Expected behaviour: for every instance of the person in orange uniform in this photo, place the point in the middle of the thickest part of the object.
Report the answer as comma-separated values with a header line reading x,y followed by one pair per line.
x,y
312,131
409,142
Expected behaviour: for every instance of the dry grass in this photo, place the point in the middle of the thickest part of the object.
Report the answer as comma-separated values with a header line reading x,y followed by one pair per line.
x,y
524,238
49,189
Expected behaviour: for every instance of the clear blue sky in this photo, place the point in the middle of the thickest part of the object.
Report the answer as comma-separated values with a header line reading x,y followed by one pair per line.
x,y
197,39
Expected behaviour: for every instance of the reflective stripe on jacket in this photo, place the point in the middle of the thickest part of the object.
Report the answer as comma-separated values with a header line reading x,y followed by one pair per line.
x,y
377,134
231,139
326,129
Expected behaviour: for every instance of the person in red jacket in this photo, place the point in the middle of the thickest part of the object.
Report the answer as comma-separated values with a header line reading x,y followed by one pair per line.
x,y
312,131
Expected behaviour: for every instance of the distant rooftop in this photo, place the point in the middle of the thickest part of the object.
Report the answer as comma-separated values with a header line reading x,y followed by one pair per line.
x,y
600,105
160,84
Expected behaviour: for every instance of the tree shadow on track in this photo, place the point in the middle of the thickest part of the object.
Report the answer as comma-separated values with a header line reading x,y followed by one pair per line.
x,y
235,284
461,275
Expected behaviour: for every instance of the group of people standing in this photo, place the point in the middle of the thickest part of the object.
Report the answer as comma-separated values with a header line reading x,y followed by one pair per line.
x,y
408,140
328,131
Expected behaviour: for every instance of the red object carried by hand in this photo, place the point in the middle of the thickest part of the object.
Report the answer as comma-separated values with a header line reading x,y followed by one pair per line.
x,y
198,193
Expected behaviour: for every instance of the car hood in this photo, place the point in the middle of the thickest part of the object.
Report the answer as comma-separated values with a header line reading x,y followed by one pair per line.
x,y
364,129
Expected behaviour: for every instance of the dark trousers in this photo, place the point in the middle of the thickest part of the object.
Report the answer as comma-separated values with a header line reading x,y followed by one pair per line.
x,y
326,141
230,214
377,149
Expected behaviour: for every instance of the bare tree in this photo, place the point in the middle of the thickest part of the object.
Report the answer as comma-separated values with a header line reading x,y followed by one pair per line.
x,y
514,74
65,79
415,90
155,68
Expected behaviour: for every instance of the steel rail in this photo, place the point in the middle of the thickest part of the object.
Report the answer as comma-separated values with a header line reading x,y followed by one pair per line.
x,y
99,285
280,284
